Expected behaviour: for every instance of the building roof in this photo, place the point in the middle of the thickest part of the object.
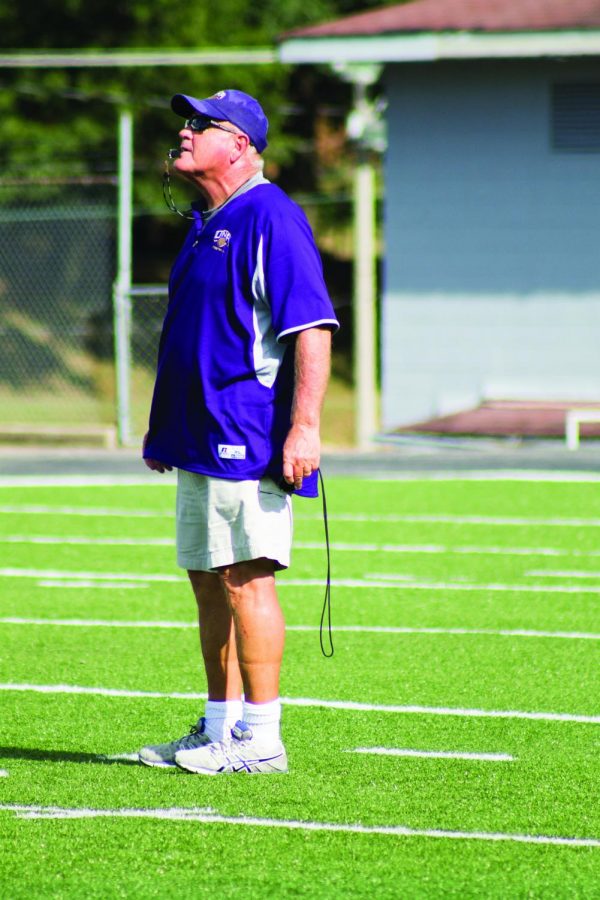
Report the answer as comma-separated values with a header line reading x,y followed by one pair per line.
x,y
463,15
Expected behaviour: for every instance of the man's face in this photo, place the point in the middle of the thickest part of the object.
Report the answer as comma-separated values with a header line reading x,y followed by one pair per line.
x,y
206,147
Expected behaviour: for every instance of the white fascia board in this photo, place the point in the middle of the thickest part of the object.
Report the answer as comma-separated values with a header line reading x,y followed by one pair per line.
x,y
370,48
387,48
521,45
83,59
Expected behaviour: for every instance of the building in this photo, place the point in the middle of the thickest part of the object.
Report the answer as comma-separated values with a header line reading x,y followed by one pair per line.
x,y
492,198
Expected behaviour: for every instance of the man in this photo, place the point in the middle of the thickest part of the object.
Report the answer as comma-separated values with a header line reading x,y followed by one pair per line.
x,y
242,370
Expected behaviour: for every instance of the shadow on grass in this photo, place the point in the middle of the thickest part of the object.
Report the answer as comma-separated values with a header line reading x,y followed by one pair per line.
x,y
31,753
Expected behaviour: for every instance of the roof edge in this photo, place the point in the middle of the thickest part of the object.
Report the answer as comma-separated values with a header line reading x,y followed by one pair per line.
x,y
433,46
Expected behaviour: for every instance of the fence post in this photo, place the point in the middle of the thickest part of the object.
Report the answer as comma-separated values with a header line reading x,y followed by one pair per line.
x,y
364,127
364,303
122,286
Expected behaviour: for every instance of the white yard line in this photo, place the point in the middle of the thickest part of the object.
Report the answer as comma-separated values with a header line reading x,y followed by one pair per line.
x,y
341,547
352,629
349,705
88,511
175,813
553,573
391,581
444,711
441,518
87,541
3,773
98,623
379,581
118,757
449,519
434,754
490,632
436,549
100,692
209,816
167,479
98,585
89,576
518,475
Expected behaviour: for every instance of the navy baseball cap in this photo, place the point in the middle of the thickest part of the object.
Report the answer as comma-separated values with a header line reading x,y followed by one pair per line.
x,y
230,106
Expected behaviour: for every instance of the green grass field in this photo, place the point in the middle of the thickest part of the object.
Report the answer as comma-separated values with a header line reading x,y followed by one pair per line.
x,y
448,749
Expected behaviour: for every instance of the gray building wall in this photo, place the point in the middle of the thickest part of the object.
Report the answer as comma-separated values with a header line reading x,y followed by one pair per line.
x,y
492,279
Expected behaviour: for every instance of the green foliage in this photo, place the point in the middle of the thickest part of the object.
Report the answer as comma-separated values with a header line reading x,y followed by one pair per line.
x,y
60,124
67,116
146,23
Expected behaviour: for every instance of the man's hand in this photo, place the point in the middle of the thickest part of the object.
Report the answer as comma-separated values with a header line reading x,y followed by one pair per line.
x,y
301,454
155,464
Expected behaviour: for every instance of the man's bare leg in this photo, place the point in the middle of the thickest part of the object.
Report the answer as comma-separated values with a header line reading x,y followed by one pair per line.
x,y
242,630
259,626
217,642
248,594
217,637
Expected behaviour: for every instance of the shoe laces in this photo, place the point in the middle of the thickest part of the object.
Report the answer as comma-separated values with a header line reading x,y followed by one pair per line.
x,y
189,741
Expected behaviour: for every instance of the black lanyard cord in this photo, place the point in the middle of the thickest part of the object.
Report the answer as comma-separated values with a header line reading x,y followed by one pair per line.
x,y
166,186
326,611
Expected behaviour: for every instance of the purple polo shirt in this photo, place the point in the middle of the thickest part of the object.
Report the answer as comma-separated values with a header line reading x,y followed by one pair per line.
x,y
244,284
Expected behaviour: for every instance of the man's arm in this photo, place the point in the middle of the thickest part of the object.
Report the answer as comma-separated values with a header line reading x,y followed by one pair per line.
x,y
302,448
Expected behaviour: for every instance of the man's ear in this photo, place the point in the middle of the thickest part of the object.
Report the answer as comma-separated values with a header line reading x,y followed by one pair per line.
x,y
241,144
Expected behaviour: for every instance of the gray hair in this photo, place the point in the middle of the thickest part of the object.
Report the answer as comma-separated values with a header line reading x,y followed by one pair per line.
x,y
256,160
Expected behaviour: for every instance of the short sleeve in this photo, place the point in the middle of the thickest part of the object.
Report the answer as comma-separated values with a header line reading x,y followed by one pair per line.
x,y
293,273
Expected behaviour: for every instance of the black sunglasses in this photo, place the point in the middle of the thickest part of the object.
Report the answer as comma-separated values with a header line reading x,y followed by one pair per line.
x,y
201,123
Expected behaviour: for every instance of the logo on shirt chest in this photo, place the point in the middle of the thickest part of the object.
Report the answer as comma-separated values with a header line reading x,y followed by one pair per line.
x,y
221,240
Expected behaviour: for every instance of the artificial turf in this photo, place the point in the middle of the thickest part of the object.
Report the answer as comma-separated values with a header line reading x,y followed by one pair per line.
x,y
477,555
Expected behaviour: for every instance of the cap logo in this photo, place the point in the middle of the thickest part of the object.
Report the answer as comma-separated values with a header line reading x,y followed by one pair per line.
x,y
218,96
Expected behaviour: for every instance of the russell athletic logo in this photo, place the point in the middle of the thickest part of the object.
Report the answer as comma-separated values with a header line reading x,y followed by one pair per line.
x,y
221,240
232,451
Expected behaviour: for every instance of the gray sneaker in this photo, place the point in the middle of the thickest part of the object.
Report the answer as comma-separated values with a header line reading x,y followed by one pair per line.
x,y
164,754
240,753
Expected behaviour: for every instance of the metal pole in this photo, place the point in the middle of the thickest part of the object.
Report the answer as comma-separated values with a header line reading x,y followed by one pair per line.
x,y
364,320
365,362
364,127
122,286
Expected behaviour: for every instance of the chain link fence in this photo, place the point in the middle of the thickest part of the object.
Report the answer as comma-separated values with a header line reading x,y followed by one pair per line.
x,y
56,272
62,373
57,360
148,308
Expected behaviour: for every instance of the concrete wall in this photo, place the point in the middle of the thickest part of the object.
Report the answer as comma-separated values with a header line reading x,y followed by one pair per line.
x,y
492,282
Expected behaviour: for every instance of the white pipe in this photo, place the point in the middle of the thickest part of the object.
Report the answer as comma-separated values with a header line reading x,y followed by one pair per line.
x,y
122,286
364,318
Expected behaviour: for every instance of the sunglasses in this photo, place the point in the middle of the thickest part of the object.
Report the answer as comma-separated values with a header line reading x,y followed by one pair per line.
x,y
201,123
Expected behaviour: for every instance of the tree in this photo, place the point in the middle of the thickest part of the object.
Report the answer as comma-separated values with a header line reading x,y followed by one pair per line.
x,y
66,117
60,124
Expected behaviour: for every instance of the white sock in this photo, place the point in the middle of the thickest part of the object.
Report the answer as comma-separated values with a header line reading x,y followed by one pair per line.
x,y
264,720
221,716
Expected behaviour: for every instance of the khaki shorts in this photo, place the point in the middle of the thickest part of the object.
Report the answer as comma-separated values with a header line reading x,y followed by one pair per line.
x,y
221,522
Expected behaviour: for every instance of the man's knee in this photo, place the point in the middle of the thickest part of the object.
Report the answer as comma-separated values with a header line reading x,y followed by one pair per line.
x,y
236,576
